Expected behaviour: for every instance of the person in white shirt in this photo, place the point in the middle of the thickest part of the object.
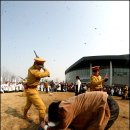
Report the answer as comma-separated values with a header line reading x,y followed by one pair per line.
x,y
5,85
112,92
10,87
42,87
58,87
77,87
13,86
2,88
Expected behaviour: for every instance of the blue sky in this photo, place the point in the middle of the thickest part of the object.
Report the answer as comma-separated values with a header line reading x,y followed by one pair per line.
x,y
61,32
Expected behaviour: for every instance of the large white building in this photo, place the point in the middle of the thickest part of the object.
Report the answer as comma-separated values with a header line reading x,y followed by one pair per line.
x,y
116,66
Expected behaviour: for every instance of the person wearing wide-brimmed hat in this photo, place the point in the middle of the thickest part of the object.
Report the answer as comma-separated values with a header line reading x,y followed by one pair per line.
x,y
96,80
35,73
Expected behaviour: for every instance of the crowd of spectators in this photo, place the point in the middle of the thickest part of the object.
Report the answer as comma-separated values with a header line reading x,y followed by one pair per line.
x,y
8,87
115,90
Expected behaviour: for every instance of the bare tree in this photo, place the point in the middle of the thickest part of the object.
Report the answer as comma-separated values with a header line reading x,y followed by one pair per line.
x,y
7,76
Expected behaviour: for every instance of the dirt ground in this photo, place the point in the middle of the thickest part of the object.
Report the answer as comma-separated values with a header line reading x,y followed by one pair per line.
x,y
12,105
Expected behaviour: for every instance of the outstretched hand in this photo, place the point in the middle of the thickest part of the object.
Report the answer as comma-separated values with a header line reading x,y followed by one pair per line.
x,y
106,78
46,119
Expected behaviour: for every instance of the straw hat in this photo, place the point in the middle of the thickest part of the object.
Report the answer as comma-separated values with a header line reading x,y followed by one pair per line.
x,y
38,59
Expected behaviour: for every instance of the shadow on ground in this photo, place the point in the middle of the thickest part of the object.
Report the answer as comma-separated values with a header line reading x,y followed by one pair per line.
x,y
32,125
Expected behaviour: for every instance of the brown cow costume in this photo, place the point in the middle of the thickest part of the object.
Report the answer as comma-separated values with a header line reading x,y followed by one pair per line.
x,y
88,111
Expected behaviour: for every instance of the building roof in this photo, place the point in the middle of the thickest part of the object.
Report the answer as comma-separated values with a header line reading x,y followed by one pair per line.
x,y
84,62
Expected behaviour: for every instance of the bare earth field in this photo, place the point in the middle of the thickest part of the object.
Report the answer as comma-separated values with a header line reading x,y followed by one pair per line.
x,y
12,105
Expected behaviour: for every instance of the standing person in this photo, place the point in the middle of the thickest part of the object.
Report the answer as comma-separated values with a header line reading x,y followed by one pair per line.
x,y
62,86
46,86
35,72
125,92
42,86
78,85
52,84
112,92
2,88
88,111
96,80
